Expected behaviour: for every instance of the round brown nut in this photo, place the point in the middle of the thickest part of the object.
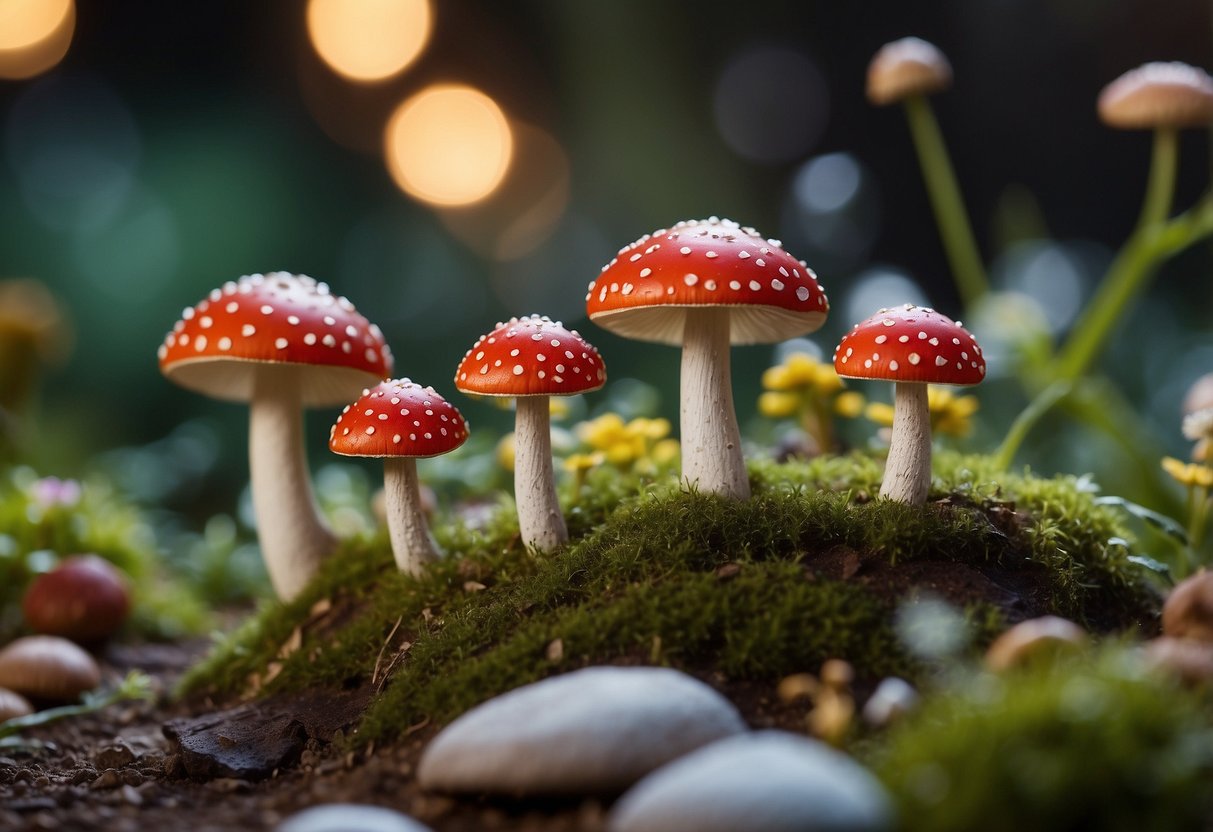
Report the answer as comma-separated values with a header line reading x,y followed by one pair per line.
x,y
47,667
84,599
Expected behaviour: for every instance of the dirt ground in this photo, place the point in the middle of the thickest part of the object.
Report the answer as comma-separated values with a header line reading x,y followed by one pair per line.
x,y
118,771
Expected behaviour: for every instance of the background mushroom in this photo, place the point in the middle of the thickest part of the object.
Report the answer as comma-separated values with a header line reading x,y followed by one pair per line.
x,y
531,359
705,285
47,667
85,599
912,346
280,342
400,421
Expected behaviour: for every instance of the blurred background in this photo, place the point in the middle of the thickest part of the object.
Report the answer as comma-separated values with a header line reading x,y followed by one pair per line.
x,y
461,161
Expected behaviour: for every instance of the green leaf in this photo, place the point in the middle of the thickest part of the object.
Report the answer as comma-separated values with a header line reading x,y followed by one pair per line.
x,y
1159,521
1156,566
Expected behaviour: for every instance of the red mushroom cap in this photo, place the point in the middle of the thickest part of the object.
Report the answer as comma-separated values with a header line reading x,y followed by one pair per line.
x,y
398,417
531,356
910,343
643,292
278,318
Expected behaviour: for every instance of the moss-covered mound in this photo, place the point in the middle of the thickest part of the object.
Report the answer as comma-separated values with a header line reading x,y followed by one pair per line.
x,y
1091,743
810,568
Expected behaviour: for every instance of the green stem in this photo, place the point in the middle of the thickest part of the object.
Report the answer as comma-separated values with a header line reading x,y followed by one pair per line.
x,y
1151,241
1027,420
1197,518
946,201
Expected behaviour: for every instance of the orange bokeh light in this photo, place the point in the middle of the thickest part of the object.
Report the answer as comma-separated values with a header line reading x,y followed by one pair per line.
x,y
369,40
34,35
448,145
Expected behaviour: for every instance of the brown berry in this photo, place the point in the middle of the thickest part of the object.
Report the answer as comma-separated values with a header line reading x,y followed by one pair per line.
x,y
84,599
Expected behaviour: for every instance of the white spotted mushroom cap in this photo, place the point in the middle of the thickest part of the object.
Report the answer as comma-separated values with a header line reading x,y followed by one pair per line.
x,y
911,343
644,292
531,356
276,319
398,417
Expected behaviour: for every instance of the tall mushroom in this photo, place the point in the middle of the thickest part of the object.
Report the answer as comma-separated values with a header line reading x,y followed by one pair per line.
x,y
280,342
705,285
531,359
912,346
401,421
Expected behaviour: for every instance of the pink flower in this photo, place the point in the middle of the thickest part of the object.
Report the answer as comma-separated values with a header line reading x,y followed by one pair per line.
x,y
50,492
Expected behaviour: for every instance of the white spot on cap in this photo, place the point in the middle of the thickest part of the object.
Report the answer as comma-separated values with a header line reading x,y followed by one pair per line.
x,y
266,309
690,279
915,358
293,320
329,340
396,438
880,339
370,430
248,330
684,250
802,293
940,361
743,254
280,343
645,272
777,284
734,285
309,338
232,306
187,312
893,366
205,322
517,369
711,255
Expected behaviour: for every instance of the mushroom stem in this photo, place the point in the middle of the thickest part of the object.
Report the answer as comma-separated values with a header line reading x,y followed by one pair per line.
x,y
539,518
711,441
294,540
907,474
412,543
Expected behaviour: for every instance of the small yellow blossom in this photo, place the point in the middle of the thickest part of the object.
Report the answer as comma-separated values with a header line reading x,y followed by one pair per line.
x,y
950,414
649,428
778,404
849,404
665,451
603,432
505,452
1188,474
879,412
575,463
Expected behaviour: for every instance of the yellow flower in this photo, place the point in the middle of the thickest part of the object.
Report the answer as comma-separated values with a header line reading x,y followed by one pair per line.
x,y
666,450
626,451
574,463
778,405
777,378
879,412
825,381
648,428
603,432
505,452
849,404
1188,474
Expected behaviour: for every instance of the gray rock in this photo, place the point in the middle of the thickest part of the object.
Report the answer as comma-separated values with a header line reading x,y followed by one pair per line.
x,y
592,731
349,817
768,781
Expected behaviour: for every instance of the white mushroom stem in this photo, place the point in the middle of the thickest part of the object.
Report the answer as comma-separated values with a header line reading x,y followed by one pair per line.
x,y
907,474
411,541
711,441
294,540
539,518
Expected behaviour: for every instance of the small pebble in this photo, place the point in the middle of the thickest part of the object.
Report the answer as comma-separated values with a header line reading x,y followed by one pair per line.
x,y
349,817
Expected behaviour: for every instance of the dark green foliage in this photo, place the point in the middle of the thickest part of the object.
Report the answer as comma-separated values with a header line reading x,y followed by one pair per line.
x,y
642,582
1089,743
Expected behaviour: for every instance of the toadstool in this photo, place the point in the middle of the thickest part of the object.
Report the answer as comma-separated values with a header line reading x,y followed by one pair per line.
x,y
281,342
907,67
704,285
401,421
1158,95
531,359
1188,610
1034,640
85,598
912,346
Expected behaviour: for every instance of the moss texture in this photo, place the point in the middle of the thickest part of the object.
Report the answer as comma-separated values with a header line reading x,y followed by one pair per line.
x,y
810,568
1091,743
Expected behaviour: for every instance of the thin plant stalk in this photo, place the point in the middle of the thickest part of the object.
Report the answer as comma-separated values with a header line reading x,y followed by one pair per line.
x,y
959,244
1136,261
1027,420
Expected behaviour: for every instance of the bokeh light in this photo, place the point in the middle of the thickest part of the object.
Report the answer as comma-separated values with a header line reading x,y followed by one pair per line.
x,y
448,145
528,205
1054,274
369,40
877,287
74,147
832,213
34,35
756,116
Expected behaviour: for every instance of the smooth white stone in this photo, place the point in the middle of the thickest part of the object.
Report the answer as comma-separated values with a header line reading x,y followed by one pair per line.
x,y
592,731
768,781
349,817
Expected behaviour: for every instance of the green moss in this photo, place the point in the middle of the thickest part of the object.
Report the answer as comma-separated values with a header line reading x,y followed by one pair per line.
x,y
1091,743
642,582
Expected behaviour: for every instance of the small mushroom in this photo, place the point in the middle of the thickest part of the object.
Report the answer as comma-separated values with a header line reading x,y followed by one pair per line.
x,y
705,285
47,667
1189,661
13,705
532,359
401,421
892,700
1032,640
85,599
1158,96
280,342
1188,610
913,347
907,67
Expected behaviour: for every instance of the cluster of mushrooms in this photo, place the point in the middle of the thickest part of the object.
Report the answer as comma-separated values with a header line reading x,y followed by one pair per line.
x,y
282,342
